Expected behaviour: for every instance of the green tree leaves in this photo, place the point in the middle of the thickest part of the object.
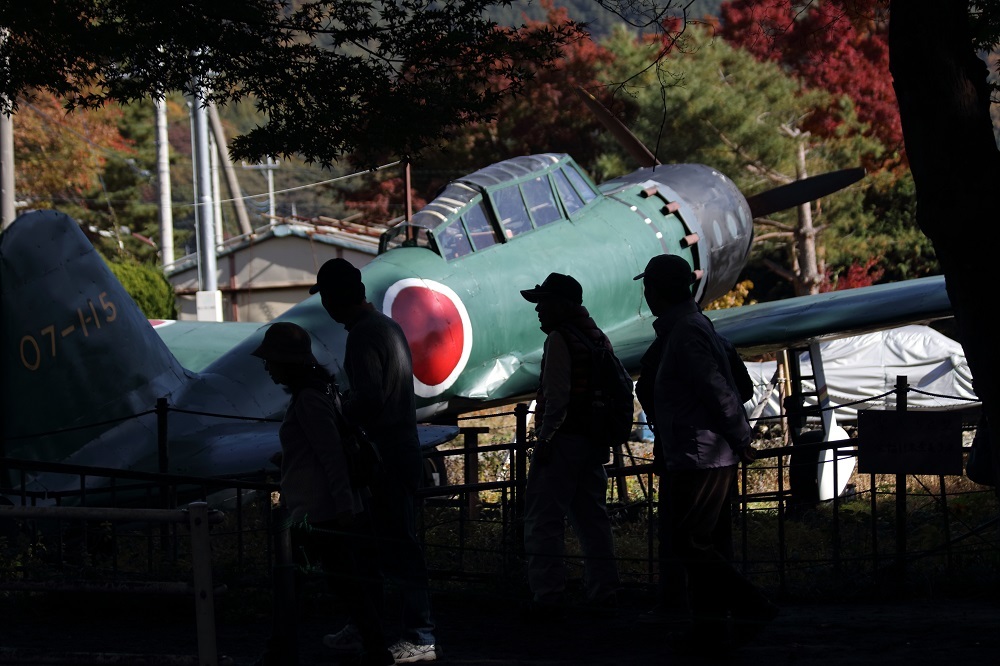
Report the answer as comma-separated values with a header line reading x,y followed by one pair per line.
x,y
147,286
331,78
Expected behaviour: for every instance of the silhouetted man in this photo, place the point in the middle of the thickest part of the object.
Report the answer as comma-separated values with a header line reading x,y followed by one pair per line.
x,y
567,476
381,400
701,436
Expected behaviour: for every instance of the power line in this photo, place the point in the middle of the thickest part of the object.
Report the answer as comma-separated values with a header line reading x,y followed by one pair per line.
x,y
322,182
116,155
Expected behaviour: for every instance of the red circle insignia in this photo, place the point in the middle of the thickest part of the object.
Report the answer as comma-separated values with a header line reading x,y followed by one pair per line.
x,y
437,329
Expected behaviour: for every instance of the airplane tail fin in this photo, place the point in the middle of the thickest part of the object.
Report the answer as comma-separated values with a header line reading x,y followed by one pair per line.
x,y
79,357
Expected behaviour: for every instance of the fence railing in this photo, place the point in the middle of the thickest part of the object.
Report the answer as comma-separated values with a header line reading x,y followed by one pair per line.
x,y
196,516
875,534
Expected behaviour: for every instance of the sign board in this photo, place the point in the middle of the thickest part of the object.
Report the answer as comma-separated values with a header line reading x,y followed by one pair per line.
x,y
909,442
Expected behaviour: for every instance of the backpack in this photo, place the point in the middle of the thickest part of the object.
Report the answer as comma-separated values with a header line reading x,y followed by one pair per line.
x,y
742,380
612,402
364,462
738,374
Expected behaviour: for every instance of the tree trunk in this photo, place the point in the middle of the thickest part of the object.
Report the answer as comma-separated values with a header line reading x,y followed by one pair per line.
x,y
941,87
808,277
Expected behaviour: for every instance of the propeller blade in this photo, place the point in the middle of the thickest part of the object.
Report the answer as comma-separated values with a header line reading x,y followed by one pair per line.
x,y
624,135
802,191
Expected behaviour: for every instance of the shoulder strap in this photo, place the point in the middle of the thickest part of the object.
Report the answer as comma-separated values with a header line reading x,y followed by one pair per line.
x,y
579,334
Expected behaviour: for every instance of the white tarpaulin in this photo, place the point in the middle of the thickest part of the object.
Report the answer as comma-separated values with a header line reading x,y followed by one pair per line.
x,y
864,366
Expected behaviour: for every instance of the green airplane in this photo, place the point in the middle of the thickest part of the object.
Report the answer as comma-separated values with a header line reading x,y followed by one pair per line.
x,y
83,369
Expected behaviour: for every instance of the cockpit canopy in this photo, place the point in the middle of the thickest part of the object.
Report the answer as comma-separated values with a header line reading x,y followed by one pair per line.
x,y
496,204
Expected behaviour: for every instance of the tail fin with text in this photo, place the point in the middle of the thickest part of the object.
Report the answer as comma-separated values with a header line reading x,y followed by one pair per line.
x,y
78,354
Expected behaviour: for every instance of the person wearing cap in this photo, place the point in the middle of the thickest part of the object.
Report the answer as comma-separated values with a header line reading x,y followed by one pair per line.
x,y
329,517
701,435
381,400
567,476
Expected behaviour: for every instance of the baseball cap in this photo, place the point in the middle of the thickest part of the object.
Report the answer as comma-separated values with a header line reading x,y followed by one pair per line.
x,y
286,342
341,279
667,270
556,284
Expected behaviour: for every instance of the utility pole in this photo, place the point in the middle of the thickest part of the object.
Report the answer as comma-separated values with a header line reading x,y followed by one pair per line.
x,y
163,183
7,209
213,155
272,164
409,197
235,193
268,169
208,298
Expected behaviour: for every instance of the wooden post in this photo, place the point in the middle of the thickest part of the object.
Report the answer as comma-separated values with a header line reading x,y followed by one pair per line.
x,y
163,460
285,635
901,496
621,481
520,480
204,600
471,472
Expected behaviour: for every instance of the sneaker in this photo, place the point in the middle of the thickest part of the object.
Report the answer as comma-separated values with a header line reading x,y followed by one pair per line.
x,y
345,641
406,652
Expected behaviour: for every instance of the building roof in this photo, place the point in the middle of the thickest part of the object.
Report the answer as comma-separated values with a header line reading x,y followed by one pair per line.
x,y
359,237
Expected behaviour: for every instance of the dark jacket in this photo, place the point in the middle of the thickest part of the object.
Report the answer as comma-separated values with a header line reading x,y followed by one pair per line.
x,y
698,417
314,481
571,413
381,400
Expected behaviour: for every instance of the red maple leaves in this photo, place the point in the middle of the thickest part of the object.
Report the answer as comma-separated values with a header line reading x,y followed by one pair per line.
x,y
836,45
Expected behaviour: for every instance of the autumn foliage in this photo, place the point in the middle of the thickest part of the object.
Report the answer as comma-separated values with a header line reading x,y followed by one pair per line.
x,y
857,275
835,45
548,117
383,201
62,154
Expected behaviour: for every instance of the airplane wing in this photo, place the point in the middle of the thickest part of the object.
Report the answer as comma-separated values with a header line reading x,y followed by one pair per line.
x,y
861,369
196,344
796,322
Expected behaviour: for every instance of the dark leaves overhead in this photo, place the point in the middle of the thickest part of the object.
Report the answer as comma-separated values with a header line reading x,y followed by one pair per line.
x,y
349,77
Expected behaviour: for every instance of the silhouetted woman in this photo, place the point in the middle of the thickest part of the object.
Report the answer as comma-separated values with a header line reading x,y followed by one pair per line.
x,y
329,517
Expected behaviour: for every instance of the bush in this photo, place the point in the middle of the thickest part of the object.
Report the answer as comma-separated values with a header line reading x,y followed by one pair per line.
x,y
147,286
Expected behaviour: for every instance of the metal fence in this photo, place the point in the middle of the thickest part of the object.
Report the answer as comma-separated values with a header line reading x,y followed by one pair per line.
x,y
885,533
884,530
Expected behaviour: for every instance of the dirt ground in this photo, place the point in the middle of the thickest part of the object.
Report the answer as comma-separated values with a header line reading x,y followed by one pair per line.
x,y
485,632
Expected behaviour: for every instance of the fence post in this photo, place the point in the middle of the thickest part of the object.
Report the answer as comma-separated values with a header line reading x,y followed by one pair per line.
x,y
161,434
901,388
471,471
284,638
162,410
618,464
520,469
201,562
163,454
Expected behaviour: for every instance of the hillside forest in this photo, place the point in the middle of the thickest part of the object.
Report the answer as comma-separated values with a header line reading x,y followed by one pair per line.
x,y
719,94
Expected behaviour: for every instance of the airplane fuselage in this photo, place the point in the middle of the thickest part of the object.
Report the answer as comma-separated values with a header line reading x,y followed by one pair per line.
x,y
474,339
451,277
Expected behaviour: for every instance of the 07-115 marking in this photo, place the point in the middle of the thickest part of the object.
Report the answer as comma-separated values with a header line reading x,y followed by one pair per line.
x,y
31,350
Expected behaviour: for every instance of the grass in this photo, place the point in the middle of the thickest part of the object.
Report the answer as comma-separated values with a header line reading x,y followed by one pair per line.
x,y
818,550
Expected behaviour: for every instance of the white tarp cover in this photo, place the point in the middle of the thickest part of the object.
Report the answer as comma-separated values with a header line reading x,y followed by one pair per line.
x,y
864,366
